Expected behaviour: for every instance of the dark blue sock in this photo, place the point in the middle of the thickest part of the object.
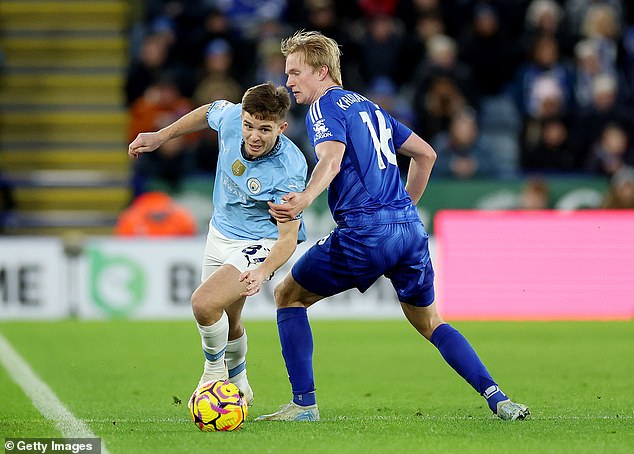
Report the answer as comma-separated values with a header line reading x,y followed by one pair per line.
x,y
459,354
296,338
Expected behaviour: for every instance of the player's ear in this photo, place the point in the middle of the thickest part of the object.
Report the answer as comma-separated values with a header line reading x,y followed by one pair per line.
x,y
283,126
323,72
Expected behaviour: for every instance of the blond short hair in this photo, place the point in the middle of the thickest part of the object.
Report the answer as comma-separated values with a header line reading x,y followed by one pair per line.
x,y
317,50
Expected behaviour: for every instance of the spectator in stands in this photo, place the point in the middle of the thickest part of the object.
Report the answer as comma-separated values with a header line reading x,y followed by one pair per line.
x,y
161,103
462,152
545,138
545,63
587,68
443,88
155,214
549,150
545,17
217,82
578,11
381,49
442,61
146,68
611,152
535,194
620,194
436,106
606,108
485,48
215,25
418,43
409,11
270,63
601,25
246,17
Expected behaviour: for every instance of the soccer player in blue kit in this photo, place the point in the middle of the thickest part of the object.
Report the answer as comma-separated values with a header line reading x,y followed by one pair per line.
x,y
378,231
257,163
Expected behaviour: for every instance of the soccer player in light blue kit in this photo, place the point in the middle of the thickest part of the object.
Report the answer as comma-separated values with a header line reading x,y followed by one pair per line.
x,y
257,164
378,228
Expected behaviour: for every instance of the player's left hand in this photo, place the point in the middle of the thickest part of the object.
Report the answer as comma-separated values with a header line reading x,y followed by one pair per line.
x,y
253,279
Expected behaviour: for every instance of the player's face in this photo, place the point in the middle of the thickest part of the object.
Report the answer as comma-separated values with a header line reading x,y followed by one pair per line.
x,y
302,79
260,135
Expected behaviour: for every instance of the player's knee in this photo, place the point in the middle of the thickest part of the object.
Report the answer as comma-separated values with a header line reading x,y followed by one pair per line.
x,y
429,327
425,320
201,308
281,294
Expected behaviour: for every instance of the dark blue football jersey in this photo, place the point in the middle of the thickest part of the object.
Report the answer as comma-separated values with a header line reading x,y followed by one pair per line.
x,y
368,187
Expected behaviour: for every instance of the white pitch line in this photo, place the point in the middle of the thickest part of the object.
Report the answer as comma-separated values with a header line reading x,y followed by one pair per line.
x,y
43,398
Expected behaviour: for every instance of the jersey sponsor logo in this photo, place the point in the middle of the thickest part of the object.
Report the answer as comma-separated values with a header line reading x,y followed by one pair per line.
x,y
232,189
238,168
319,124
254,185
321,130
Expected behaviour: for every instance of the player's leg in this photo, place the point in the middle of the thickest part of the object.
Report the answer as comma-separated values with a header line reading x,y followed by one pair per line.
x,y
413,280
243,256
461,356
332,265
209,303
236,352
296,339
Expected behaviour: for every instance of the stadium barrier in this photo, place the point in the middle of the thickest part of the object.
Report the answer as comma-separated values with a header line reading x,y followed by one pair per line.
x,y
489,265
109,278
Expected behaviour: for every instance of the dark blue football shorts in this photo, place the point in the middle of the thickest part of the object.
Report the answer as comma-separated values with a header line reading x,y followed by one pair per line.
x,y
355,257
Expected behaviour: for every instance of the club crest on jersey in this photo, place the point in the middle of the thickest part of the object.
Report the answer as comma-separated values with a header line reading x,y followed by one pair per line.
x,y
254,185
321,130
238,168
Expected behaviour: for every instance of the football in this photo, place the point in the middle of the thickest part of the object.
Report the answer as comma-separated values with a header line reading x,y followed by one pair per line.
x,y
218,406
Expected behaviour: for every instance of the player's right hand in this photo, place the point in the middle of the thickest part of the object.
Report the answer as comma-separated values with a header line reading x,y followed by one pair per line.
x,y
292,205
144,143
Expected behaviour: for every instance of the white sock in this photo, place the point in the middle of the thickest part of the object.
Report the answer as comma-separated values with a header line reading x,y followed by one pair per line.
x,y
214,342
235,357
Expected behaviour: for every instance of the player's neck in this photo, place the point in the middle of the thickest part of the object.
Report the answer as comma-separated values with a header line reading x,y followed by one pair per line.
x,y
327,88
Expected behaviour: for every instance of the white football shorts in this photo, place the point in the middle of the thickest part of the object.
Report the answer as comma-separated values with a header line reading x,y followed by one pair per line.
x,y
243,254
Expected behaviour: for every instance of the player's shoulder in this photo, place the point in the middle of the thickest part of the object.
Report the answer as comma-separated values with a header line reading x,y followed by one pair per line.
x,y
290,155
222,105
222,110
337,102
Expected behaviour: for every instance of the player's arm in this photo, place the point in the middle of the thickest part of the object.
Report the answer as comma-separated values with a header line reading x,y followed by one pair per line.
x,y
330,155
279,255
196,120
423,158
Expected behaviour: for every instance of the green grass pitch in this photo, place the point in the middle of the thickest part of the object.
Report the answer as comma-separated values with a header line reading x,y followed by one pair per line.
x,y
381,387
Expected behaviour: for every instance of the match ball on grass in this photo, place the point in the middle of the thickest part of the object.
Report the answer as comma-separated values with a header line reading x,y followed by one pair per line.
x,y
218,406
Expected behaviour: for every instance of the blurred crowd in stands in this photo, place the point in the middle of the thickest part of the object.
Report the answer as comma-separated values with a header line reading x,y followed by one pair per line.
x,y
501,88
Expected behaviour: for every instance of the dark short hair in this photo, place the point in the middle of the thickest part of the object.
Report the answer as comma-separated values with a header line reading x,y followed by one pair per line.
x,y
267,102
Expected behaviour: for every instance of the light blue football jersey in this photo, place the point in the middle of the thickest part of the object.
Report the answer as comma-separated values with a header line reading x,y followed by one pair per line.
x,y
242,186
368,188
